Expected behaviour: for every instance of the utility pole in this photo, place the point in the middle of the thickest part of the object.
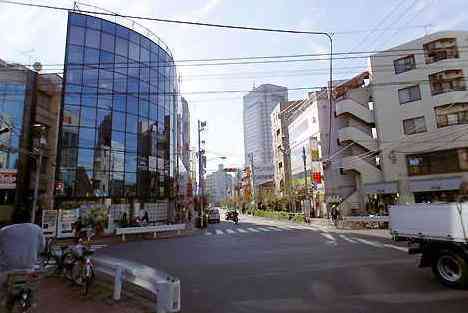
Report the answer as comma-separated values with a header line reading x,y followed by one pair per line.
x,y
201,170
40,146
252,172
306,186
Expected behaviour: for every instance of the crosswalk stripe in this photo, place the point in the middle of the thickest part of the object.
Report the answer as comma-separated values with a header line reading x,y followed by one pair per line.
x,y
252,230
263,229
347,239
240,230
219,232
328,236
230,231
369,243
208,233
274,228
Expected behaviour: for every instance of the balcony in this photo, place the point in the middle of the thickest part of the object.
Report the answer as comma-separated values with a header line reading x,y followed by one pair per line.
x,y
369,173
352,107
358,136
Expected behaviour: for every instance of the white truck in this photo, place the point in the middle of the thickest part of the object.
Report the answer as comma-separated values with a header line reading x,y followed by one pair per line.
x,y
440,233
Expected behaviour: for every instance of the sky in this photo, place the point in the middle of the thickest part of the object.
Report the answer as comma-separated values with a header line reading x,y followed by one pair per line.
x,y
33,34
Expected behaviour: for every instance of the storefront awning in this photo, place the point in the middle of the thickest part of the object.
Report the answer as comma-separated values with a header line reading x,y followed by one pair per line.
x,y
387,187
449,183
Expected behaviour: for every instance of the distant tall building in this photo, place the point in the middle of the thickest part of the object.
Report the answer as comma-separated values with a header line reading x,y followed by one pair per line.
x,y
258,106
218,185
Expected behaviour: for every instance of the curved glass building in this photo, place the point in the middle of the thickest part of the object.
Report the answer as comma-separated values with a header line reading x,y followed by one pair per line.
x,y
120,95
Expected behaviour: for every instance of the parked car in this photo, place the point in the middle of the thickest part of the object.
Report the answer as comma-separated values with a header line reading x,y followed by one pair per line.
x,y
214,216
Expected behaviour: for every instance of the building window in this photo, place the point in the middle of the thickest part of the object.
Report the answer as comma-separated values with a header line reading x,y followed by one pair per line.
x,y
452,114
441,49
438,162
414,125
446,81
409,94
404,64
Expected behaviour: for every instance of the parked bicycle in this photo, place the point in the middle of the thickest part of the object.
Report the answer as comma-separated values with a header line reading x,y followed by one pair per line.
x,y
83,267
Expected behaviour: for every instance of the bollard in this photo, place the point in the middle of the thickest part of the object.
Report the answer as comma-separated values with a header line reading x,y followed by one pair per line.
x,y
118,283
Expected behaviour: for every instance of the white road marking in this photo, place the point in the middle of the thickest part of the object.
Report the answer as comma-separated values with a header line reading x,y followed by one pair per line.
x,y
273,228
240,230
283,227
328,236
396,247
252,230
208,233
369,243
263,229
347,239
230,231
219,232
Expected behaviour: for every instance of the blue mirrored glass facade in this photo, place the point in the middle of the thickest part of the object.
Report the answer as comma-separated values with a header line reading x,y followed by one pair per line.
x,y
120,91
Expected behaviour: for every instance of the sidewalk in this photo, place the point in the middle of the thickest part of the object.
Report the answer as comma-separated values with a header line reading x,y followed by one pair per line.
x,y
59,295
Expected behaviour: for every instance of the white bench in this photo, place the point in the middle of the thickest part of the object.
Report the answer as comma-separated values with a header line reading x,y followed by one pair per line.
x,y
149,229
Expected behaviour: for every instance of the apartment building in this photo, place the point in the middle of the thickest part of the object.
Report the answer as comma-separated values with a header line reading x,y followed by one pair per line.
x,y
399,131
280,139
421,117
218,186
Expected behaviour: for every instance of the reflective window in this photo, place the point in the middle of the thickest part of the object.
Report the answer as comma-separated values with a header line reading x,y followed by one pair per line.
x,y
118,121
93,22
132,105
106,79
121,46
105,101
77,19
107,42
90,77
131,142
131,161
71,115
91,56
118,141
92,38
76,35
134,51
119,103
74,74
107,60
75,55
85,158
108,27
121,65
133,69
122,31
144,108
120,82
88,117
87,137
89,99
144,57
132,123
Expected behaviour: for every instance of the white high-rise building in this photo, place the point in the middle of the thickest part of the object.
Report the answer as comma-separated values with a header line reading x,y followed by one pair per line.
x,y
258,106
218,186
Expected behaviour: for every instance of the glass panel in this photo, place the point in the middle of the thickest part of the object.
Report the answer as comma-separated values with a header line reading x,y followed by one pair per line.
x,y
118,140
107,60
104,125
133,69
91,56
68,178
92,38
122,31
130,184
132,123
72,88
153,112
117,162
101,183
144,73
90,77
131,162
86,158
121,47
68,158
108,27
87,137
74,74
93,22
71,115
131,143
118,121
77,19
119,103
135,38
76,35
145,42
144,58
73,99
106,79
134,51
88,117
121,65
83,184
132,86
120,82
132,105
144,107
69,136
107,42
89,99
75,54
105,101
144,90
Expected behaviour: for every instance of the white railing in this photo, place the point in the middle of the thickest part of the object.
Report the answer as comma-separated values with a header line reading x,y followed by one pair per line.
x,y
366,218
149,229
163,287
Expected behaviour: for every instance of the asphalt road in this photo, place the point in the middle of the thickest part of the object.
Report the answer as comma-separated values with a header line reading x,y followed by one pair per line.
x,y
268,266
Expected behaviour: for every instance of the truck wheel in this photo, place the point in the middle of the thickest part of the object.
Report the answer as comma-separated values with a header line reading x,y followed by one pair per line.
x,y
451,270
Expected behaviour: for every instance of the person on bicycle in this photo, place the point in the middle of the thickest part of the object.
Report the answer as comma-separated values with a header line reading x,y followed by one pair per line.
x,y
20,247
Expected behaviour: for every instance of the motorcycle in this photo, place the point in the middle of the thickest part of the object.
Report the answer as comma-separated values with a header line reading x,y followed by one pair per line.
x,y
232,216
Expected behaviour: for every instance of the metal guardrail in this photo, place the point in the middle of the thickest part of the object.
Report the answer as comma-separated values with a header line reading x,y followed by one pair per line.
x,y
148,229
164,287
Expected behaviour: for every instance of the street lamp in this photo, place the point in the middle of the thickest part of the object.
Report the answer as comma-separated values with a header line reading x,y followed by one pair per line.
x,y
39,134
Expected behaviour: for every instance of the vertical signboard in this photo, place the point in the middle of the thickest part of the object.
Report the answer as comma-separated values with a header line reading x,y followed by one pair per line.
x,y
49,223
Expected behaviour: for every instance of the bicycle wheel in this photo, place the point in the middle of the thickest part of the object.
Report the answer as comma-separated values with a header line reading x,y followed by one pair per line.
x,y
87,280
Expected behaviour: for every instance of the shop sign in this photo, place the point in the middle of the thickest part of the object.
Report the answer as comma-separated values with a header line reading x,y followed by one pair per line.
x,y
8,178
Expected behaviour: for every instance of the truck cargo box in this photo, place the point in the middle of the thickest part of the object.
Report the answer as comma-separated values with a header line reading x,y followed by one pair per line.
x,y
437,221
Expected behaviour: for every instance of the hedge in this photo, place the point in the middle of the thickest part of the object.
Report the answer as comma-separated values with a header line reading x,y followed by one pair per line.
x,y
278,215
